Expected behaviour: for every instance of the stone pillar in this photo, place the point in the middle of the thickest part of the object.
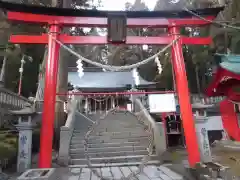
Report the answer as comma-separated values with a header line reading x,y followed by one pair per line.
x,y
86,105
2,72
113,102
25,144
203,141
162,146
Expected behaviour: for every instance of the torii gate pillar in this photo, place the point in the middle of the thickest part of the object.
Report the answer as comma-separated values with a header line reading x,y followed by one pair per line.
x,y
184,98
45,156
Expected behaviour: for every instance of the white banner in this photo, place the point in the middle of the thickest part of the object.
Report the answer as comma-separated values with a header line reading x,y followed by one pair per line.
x,y
159,103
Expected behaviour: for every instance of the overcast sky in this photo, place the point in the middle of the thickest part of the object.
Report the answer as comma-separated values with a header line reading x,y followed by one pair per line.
x,y
117,5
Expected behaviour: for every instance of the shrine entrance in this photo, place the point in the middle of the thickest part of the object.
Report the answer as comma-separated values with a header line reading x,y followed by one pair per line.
x,y
117,23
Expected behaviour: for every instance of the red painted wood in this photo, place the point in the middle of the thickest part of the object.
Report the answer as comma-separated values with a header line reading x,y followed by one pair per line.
x,y
131,40
45,157
196,40
43,39
229,119
184,100
112,93
219,88
102,22
29,39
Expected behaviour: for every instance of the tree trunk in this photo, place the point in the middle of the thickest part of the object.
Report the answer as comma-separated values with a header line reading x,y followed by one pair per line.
x,y
197,80
2,75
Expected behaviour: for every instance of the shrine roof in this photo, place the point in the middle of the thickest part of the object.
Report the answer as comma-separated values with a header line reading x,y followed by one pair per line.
x,y
231,63
16,7
105,80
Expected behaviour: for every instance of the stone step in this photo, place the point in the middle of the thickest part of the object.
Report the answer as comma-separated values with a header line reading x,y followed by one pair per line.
x,y
107,129
109,160
122,136
119,129
108,149
136,133
114,133
151,162
108,154
122,121
122,124
99,141
110,135
105,145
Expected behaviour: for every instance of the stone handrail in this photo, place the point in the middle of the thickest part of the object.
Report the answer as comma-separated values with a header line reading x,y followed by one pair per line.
x,y
157,128
38,102
199,98
66,131
194,98
12,99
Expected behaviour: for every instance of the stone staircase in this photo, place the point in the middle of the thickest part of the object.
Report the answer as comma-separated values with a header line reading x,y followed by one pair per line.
x,y
118,140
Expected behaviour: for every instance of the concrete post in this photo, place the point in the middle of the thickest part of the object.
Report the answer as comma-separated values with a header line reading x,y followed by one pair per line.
x,y
203,141
2,74
25,144
86,105
162,138
113,102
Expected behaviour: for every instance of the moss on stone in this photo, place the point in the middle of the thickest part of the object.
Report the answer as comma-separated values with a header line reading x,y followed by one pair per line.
x,y
8,148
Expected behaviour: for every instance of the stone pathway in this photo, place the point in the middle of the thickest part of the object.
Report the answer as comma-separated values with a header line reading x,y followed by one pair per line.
x,y
150,173
13,176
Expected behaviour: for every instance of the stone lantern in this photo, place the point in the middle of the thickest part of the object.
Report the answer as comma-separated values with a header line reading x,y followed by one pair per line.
x,y
24,127
201,119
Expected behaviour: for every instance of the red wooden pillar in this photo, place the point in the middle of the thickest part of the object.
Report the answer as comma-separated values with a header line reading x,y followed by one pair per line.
x,y
184,99
45,157
230,119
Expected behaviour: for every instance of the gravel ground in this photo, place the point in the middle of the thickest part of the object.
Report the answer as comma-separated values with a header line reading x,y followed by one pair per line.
x,y
228,158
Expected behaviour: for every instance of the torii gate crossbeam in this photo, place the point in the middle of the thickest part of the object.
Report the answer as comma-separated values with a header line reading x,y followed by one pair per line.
x,y
57,18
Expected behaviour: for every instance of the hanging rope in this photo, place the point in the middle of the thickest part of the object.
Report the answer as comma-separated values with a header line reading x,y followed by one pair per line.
x,y
211,21
116,68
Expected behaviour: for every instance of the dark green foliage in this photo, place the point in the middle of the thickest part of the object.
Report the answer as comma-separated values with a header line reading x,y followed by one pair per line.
x,y
31,69
8,149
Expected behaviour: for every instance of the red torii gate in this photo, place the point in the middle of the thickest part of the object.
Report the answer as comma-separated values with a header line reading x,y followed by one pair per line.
x,y
57,18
